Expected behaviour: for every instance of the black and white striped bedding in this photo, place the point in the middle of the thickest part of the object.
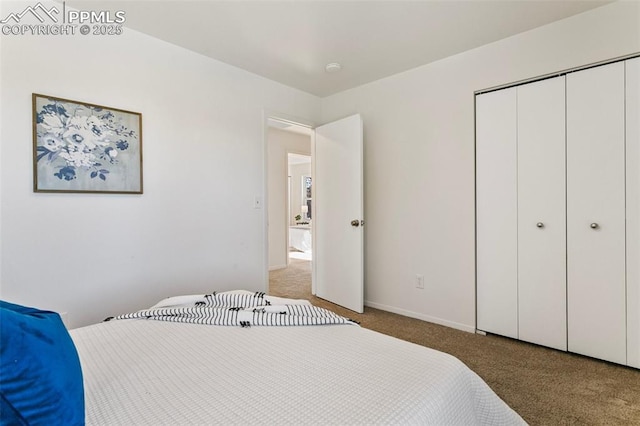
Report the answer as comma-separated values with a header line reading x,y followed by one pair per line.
x,y
240,308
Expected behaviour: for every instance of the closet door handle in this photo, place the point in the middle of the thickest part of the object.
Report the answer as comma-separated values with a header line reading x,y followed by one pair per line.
x,y
540,225
594,225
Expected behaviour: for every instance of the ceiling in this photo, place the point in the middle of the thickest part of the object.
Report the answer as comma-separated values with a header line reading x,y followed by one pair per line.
x,y
292,41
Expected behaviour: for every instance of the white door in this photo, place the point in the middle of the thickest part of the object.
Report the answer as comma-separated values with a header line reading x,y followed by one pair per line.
x,y
338,257
633,212
596,212
496,213
542,288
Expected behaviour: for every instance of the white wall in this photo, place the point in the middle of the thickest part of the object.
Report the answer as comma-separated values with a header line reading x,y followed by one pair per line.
x,y
194,230
419,157
279,144
297,171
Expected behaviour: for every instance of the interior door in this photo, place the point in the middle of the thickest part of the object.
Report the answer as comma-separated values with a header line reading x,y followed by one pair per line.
x,y
542,255
633,211
338,274
497,212
596,299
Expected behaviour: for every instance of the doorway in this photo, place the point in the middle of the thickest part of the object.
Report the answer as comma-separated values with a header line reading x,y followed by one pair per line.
x,y
289,186
300,201
337,267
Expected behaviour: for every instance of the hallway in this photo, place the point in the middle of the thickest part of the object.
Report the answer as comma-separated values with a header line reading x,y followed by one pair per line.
x,y
293,282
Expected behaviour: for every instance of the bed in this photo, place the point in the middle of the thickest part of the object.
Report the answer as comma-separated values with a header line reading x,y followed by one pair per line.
x,y
230,358
152,368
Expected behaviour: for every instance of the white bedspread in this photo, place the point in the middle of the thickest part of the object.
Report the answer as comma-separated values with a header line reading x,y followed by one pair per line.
x,y
140,372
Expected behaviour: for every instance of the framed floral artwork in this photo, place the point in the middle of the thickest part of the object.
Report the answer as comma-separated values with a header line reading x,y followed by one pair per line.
x,y
81,147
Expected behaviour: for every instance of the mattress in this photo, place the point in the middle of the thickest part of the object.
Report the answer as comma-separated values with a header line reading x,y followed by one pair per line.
x,y
146,372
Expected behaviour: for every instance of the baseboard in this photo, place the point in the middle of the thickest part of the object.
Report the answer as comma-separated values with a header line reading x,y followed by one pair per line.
x,y
410,314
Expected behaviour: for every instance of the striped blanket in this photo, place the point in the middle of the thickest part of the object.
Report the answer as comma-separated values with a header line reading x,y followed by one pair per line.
x,y
242,309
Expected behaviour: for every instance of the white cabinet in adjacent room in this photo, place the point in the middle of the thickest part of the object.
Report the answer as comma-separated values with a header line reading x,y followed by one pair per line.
x,y
558,212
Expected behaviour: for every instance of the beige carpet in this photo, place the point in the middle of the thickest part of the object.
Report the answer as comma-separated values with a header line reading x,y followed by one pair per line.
x,y
545,386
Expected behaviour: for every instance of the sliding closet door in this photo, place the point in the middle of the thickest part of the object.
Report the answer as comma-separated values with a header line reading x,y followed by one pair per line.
x,y
496,213
596,212
542,308
633,211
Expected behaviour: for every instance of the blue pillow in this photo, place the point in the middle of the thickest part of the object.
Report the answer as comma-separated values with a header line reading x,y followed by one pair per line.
x,y
40,374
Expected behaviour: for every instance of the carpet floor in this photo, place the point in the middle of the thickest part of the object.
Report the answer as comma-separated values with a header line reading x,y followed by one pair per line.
x,y
545,386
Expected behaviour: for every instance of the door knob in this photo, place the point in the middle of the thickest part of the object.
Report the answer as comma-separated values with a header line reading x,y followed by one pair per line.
x,y
355,223
594,225
540,225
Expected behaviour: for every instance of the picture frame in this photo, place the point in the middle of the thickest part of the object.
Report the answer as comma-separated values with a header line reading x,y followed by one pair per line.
x,y
79,147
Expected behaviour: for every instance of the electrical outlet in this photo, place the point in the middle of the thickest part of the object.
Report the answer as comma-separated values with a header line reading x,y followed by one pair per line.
x,y
419,281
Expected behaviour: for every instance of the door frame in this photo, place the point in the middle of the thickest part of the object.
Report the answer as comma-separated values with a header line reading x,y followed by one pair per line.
x,y
298,121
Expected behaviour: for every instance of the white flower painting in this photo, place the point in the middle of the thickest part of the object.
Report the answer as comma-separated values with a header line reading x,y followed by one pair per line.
x,y
81,147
